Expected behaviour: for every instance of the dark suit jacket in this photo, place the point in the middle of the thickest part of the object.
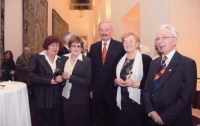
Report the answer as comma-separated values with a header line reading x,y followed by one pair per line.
x,y
40,73
175,92
63,51
102,83
80,79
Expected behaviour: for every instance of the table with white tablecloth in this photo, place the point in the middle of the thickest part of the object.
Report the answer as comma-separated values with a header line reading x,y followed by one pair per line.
x,y
14,104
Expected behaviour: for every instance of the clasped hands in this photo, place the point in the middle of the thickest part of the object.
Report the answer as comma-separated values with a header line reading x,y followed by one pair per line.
x,y
57,80
127,83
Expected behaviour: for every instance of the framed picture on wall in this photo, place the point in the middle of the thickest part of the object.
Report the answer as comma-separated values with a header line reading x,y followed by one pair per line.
x,y
59,26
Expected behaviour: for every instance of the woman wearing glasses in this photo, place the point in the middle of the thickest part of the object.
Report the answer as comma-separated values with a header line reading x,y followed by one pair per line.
x,y
77,76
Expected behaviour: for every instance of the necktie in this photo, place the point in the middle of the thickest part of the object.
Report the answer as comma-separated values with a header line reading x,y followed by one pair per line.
x,y
159,74
104,53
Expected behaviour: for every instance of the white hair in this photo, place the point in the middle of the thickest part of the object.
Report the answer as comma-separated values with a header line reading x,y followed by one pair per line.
x,y
173,30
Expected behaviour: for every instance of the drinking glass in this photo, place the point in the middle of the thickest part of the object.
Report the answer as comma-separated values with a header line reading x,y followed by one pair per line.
x,y
12,74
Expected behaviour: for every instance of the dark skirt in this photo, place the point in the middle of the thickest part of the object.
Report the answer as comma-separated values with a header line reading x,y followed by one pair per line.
x,y
131,114
76,115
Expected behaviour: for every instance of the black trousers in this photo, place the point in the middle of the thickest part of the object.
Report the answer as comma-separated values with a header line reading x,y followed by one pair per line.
x,y
104,114
49,117
76,115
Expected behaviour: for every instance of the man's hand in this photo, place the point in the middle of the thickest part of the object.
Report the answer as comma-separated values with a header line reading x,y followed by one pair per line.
x,y
156,118
91,95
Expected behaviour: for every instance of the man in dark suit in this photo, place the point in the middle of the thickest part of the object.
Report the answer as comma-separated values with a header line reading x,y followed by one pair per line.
x,y
168,96
65,48
103,90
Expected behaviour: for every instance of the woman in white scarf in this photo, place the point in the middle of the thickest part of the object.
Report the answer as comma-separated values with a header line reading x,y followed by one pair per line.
x,y
131,74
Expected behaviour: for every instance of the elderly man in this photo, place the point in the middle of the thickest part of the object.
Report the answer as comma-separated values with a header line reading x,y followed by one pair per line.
x,y
171,83
22,65
104,55
65,49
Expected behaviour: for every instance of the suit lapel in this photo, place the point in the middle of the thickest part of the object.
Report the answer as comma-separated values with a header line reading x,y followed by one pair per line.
x,y
99,52
171,68
155,70
45,64
77,65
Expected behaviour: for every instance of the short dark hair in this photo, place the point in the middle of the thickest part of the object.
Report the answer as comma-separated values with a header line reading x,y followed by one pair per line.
x,y
8,51
75,39
52,39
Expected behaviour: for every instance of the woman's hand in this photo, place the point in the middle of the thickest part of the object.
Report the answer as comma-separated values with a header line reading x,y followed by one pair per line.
x,y
58,79
131,83
66,75
120,82
53,81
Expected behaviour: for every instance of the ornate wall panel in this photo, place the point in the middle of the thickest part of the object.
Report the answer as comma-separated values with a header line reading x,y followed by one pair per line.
x,y
60,27
35,20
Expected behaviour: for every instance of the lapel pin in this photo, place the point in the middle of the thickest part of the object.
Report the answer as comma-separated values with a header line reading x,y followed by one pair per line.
x,y
170,70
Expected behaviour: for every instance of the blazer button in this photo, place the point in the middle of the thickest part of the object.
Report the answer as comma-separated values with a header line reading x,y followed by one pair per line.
x,y
152,95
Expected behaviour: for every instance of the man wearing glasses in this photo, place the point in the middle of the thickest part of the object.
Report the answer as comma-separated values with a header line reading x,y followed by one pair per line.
x,y
171,83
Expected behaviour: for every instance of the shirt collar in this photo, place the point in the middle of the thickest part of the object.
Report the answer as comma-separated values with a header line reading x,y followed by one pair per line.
x,y
44,53
108,42
169,56
79,56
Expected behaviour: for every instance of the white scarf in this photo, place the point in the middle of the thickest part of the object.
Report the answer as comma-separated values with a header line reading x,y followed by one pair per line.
x,y
134,93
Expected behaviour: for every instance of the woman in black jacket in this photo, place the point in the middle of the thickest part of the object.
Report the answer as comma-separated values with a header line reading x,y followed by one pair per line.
x,y
7,65
77,76
47,85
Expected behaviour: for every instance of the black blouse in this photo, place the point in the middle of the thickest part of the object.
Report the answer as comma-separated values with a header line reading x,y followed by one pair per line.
x,y
125,72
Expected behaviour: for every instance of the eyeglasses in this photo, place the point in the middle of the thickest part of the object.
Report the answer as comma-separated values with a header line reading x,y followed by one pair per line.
x,y
163,38
76,46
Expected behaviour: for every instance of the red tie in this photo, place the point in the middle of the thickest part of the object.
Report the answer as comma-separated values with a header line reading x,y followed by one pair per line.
x,y
159,74
162,70
104,53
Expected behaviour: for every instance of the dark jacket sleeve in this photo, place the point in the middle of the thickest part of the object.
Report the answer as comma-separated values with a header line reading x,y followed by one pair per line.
x,y
37,73
146,63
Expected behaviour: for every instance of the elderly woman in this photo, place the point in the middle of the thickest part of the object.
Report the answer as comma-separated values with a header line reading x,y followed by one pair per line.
x,y
48,87
131,74
7,65
77,73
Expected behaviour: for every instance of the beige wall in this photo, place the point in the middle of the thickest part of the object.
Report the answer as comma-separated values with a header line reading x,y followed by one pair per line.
x,y
13,27
82,26
150,14
185,16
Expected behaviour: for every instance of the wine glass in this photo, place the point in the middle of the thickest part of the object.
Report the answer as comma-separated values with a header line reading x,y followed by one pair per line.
x,y
12,74
57,72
